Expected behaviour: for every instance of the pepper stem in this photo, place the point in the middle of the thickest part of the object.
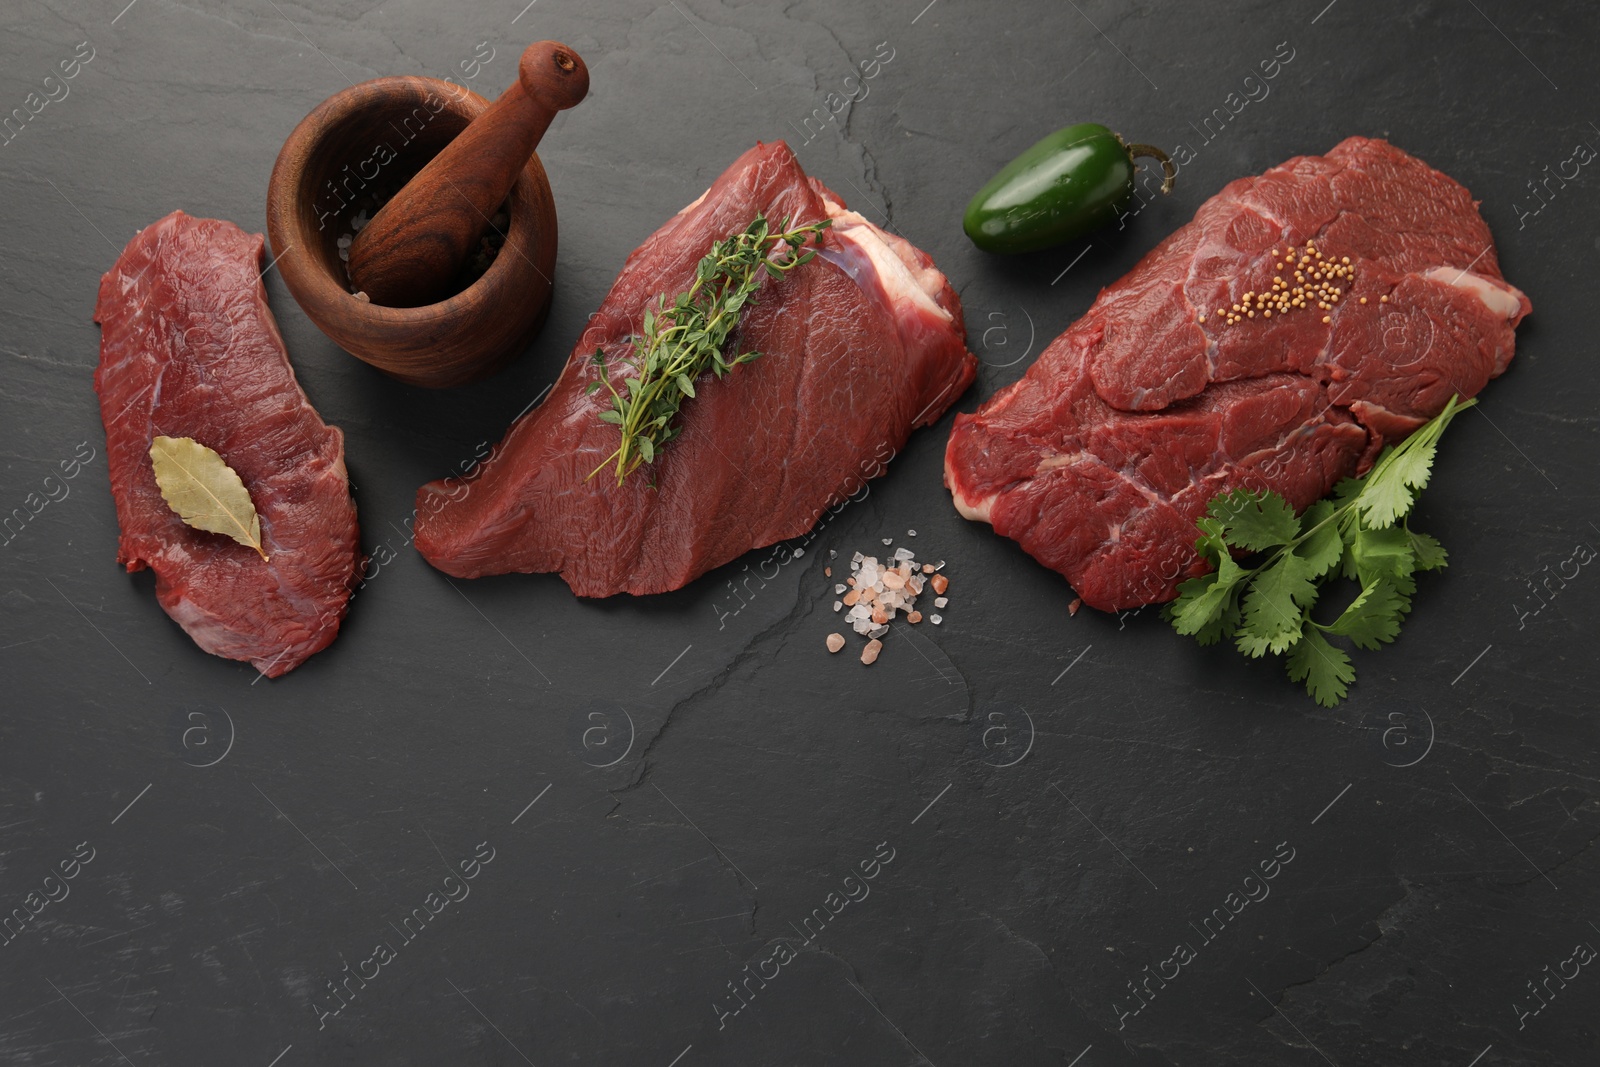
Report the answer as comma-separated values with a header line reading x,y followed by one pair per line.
x,y
1168,168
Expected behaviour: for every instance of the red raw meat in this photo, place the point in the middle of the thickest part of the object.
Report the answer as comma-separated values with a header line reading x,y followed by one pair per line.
x,y
188,348
1101,458
860,346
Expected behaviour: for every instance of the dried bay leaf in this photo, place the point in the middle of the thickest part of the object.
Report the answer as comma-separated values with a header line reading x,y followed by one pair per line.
x,y
204,491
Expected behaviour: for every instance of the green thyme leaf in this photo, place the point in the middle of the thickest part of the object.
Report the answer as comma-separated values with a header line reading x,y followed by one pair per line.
x,y
682,336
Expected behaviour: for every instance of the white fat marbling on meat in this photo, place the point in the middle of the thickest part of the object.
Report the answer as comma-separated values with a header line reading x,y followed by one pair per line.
x,y
976,510
1063,459
1493,295
904,279
892,258
695,203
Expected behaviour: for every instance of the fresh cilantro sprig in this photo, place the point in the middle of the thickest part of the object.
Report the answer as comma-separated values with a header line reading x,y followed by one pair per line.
x,y
1359,532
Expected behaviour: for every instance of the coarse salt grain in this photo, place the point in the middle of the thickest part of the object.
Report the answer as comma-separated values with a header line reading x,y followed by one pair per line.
x,y
869,655
835,642
884,588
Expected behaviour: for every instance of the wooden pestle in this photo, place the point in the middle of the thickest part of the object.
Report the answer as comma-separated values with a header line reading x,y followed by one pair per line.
x,y
412,250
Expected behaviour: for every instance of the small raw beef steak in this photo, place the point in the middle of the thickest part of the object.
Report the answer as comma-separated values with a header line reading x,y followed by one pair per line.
x,y
1302,320
859,346
188,348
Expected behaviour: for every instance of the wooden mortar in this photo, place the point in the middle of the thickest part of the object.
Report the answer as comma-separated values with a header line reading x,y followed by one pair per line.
x,y
379,131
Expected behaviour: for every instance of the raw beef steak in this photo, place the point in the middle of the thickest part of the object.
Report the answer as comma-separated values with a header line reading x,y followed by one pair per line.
x,y
858,347
188,348
1214,365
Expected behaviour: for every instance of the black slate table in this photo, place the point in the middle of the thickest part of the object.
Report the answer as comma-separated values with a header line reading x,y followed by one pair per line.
x,y
660,800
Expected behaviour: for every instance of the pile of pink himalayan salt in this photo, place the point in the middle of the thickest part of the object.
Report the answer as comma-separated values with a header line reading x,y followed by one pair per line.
x,y
877,591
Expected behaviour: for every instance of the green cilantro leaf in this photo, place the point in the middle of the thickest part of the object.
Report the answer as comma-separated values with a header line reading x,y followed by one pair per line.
x,y
1345,491
1276,596
1202,601
1379,553
1383,497
1325,670
1357,532
1322,547
1224,624
1387,496
1255,521
1429,553
1414,465
1213,545
1373,617
1255,646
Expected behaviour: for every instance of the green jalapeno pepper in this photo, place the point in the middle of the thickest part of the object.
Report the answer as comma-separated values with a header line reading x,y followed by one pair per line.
x,y
1074,181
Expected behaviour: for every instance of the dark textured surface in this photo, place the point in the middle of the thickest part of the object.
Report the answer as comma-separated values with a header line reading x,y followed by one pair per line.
x,y
616,909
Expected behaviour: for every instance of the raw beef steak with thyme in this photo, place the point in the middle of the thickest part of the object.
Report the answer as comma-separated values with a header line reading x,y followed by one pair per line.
x,y
859,347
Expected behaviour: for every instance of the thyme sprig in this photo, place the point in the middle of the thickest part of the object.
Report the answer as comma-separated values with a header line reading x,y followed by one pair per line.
x,y
683,339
